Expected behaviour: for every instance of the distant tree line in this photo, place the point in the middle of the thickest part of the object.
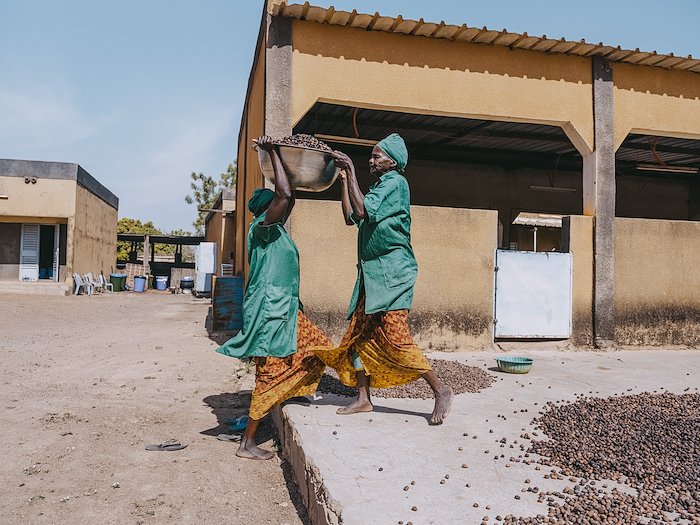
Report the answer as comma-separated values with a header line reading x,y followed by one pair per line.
x,y
128,225
205,190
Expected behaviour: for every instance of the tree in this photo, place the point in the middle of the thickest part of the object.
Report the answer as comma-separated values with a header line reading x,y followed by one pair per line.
x,y
205,190
228,179
128,225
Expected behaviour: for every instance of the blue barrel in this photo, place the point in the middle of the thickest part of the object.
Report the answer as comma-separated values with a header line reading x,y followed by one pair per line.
x,y
227,304
139,283
161,283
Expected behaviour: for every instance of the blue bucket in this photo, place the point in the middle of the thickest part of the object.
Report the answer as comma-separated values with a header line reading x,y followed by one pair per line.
x,y
161,283
139,283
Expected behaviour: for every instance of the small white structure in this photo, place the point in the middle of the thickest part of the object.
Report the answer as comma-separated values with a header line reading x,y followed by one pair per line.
x,y
205,267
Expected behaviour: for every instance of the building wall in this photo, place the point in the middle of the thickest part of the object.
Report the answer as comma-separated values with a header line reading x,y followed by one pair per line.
x,y
48,201
461,185
213,230
228,241
577,238
440,77
249,174
93,242
656,101
453,303
10,236
657,284
46,198
221,230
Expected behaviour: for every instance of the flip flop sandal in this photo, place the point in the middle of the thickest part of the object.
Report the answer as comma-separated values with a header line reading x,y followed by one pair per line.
x,y
172,444
236,424
234,438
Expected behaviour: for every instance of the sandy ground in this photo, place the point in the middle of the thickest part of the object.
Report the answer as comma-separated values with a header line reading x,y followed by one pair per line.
x,y
87,382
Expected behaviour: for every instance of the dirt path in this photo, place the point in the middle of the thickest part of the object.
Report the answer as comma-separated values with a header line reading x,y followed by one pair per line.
x,y
87,382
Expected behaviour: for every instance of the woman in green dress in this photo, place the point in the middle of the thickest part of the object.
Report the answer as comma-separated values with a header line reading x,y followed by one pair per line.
x,y
378,349
275,332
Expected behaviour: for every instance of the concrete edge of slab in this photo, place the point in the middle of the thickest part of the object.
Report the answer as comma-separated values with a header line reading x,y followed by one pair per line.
x,y
322,508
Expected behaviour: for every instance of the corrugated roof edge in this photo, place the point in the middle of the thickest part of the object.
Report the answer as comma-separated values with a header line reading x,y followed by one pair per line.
x,y
485,36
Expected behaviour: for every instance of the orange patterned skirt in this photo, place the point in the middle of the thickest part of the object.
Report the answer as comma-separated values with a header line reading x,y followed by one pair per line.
x,y
384,345
280,378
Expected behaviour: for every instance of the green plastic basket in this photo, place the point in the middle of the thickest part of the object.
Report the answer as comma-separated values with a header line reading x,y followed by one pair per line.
x,y
514,365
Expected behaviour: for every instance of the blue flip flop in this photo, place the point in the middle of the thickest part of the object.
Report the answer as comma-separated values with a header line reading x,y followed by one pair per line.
x,y
236,424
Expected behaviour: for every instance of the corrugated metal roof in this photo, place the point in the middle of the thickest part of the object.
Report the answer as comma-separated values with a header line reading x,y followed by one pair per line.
x,y
478,35
546,220
463,139
449,138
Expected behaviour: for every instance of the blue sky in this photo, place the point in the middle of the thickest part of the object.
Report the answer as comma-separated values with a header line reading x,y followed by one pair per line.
x,y
142,93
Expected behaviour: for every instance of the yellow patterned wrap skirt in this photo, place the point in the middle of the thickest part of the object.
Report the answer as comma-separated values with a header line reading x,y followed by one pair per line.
x,y
385,348
280,378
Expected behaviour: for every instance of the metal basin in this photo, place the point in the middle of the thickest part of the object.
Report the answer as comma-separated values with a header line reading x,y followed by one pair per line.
x,y
307,169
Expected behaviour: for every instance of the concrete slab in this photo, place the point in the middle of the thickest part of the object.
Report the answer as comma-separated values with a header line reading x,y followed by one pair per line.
x,y
353,469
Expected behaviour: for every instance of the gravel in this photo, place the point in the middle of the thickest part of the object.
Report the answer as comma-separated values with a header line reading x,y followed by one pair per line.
x,y
649,442
306,141
462,378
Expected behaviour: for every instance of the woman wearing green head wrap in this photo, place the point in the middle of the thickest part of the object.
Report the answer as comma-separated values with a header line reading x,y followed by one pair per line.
x,y
275,332
377,348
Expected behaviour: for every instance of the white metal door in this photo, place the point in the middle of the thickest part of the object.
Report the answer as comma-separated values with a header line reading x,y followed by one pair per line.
x,y
533,295
205,266
29,253
56,252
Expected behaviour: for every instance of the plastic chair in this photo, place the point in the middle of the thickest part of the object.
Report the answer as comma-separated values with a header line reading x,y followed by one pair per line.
x,y
95,285
105,284
82,285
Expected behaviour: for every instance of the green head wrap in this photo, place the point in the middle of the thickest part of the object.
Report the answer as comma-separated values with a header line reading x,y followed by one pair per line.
x,y
260,200
395,148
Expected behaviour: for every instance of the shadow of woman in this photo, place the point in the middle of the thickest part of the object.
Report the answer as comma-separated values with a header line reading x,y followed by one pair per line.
x,y
231,405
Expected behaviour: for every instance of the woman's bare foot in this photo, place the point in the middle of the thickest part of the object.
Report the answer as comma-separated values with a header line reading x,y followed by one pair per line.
x,y
357,406
251,451
443,403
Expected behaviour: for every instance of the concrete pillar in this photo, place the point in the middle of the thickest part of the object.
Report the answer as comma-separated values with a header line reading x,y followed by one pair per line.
x,y
599,202
70,250
278,77
278,81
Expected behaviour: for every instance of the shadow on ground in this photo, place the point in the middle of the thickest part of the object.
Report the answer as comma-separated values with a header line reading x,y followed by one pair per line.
x,y
230,405
294,490
218,337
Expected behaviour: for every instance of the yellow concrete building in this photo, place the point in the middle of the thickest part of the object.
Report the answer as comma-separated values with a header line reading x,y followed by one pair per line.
x,y
573,164
220,227
55,219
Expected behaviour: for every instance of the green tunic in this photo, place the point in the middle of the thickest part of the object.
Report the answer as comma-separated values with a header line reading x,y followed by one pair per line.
x,y
386,266
271,299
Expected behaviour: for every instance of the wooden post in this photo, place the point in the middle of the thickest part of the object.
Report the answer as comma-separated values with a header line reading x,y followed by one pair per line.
x,y
146,254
